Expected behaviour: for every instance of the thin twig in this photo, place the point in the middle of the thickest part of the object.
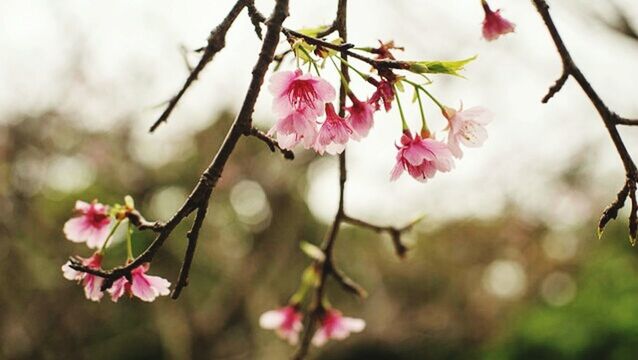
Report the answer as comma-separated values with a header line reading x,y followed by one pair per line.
x,y
394,232
609,118
216,42
209,178
192,236
272,144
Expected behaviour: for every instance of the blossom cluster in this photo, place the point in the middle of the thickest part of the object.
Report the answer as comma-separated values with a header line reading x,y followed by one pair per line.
x,y
94,224
300,99
286,321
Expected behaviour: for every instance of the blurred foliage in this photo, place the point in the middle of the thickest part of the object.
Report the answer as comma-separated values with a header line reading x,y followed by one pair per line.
x,y
509,287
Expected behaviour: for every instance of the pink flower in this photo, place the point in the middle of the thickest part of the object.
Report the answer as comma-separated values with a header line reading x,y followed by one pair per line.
x,y
336,326
295,91
334,133
494,24
384,93
296,127
360,117
286,322
467,127
145,287
91,224
91,283
422,158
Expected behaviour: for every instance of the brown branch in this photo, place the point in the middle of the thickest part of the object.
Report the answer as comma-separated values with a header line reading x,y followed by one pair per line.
x,y
272,144
343,48
394,232
201,193
609,118
216,42
192,235
141,223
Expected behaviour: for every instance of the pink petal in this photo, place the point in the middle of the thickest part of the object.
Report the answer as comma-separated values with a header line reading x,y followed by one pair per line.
x,y
69,273
271,319
118,288
96,236
77,229
92,285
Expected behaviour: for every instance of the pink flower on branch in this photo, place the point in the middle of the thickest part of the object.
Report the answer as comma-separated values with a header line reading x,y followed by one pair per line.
x,y
360,117
467,127
91,225
286,322
385,94
422,158
334,133
145,287
91,283
335,326
294,91
297,127
494,24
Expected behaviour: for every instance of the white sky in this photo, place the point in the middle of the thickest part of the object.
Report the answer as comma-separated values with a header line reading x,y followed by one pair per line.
x,y
128,58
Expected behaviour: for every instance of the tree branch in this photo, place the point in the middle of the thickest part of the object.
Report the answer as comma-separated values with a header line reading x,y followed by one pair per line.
x,y
609,118
216,42
193,234
200,195
394,232
272,144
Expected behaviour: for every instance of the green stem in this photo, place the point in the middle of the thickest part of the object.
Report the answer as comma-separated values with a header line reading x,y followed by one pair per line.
x,y
129,245
110,235
420,87
403,122
344,81
310,59
363,76
423,122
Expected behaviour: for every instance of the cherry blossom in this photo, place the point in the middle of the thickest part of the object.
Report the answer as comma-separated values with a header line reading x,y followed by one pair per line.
x,y
297,127
494,24
466,127
294,91
335,326
334,133
360,117
91,283
145,287
286,322
91,225
385,94
422,157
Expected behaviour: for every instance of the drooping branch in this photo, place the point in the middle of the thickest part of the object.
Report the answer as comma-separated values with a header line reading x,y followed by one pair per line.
x,y
199,197
609,118
216,42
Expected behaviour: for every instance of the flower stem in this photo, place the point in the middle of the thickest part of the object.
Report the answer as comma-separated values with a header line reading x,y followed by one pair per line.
x,y
404,124
129,245
310,59
344,81
110,235
362,75
423,121
420,87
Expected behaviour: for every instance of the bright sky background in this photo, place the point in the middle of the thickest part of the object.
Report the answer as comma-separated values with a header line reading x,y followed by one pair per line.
x,y
101,61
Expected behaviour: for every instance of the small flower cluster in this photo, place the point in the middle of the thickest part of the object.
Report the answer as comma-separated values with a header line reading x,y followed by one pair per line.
x,y
95,224
286,321
300,99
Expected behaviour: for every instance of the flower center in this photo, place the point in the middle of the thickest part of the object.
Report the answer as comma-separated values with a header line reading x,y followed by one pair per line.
x,y
302,94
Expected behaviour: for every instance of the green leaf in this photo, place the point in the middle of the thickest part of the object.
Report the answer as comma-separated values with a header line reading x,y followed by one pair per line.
x,y
399,85
128,200
440,67
314,31
312,251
